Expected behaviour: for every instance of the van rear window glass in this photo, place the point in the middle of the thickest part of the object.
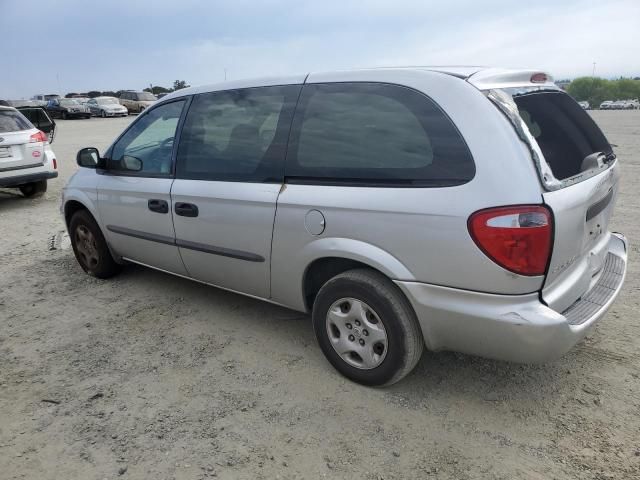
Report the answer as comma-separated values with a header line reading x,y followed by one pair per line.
x,y
375,134
12,121
565,133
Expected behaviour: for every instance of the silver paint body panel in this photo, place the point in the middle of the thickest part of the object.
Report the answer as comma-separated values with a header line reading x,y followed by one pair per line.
x,y
418,237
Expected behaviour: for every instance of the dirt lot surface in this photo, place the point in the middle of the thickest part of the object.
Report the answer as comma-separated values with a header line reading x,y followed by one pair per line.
x,y
148,376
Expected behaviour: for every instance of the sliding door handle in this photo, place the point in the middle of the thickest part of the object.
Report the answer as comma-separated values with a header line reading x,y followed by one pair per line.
x,y
186,209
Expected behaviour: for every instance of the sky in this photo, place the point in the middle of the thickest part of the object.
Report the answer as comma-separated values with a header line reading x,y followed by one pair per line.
x,y
72,46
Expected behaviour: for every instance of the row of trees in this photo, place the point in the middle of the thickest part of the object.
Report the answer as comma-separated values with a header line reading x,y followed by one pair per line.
x,y
177,85
596,90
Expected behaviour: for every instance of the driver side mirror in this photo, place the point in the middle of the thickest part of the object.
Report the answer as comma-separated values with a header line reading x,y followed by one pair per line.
x,y
89,158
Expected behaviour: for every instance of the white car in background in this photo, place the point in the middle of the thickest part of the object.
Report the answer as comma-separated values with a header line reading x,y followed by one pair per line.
x,y
107,107
606,105
26,158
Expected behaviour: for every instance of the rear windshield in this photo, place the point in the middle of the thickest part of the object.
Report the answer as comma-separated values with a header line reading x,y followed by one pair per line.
x,y
12,121
565,133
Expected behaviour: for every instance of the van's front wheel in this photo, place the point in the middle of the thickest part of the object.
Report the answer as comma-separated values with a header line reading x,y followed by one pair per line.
x,y
90,246
366,328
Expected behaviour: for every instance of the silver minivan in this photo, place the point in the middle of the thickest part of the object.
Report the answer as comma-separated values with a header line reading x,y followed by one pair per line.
x,y
461,209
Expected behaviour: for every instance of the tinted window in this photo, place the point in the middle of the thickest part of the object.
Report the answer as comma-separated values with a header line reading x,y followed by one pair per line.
x,y
150,139
12,121
375,134
237,135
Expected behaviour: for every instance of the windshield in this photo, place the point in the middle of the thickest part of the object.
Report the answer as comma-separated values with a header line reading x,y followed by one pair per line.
x,y
146,96
13,121
108,101
68,102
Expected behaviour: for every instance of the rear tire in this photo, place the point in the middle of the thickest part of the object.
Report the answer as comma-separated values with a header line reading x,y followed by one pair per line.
x,y
90,246
34,189
364,315
64,115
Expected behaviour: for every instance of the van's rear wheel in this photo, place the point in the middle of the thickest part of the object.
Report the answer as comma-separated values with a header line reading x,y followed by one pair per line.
x,y
34,189
366,327
90,247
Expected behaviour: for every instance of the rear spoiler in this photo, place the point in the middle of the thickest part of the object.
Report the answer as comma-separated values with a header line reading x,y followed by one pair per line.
x,y
492,78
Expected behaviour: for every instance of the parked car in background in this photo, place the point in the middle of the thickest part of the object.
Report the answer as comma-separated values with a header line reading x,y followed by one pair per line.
x,y
106,107
24,103
136,102
67,108
330,193
40,119
606,105
584,104
26,158
627,104
44,99
82,100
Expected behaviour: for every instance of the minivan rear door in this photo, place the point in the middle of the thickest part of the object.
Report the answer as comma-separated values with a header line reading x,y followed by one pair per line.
x,y
583,197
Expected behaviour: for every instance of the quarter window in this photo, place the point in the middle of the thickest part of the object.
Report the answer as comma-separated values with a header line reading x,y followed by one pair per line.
x,y
237,135
149,140
368,133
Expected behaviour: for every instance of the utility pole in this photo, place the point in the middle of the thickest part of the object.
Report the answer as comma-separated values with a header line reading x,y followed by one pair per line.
x,y
225,74
593,73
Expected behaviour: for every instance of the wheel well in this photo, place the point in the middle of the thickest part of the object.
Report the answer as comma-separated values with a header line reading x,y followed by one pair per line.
x,y
322,270
70,208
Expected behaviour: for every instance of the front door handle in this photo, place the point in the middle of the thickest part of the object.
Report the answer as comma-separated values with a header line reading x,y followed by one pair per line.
x,y
159,206
186,209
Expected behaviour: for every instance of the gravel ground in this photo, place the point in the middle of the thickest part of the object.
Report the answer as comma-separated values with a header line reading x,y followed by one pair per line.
x,y
151,376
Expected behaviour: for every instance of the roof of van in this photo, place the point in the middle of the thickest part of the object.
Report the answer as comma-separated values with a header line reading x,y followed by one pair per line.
x,y
481,77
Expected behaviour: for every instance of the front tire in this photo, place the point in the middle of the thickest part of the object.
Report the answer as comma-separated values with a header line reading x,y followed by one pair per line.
x,y
34,189
103,114
90,246
367,328
64,115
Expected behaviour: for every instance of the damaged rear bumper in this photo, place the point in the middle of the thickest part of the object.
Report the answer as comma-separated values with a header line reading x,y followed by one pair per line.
x,y
517,328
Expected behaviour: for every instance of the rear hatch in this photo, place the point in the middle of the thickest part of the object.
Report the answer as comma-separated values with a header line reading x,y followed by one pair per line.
x,y
19,147
580,174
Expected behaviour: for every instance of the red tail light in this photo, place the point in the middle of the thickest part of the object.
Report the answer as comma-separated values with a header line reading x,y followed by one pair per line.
x,y
517,238
55,164
39,137
539,78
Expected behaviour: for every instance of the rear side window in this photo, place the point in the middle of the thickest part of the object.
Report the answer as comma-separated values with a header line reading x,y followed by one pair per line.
x,y
13,121
565,133
378,134
237,135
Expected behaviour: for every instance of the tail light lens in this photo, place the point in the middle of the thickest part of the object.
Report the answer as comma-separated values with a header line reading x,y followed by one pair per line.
x,y
39,137
55,164
517,238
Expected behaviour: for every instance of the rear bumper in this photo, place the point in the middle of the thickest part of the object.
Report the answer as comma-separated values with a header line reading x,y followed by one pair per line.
x,y
18,180
517,328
